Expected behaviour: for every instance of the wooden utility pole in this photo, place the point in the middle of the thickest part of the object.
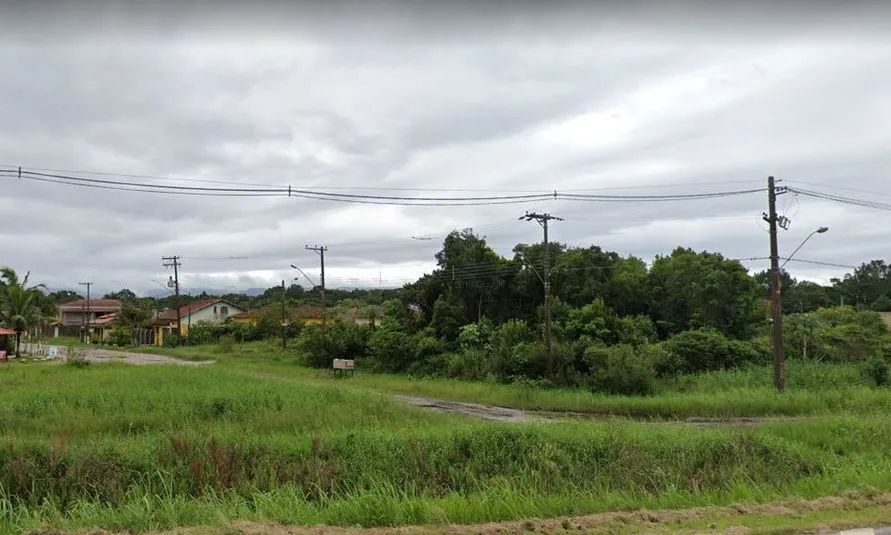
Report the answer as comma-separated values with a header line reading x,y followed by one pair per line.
x,y
542,220
284,340
776,299
87,320
173,261
321,252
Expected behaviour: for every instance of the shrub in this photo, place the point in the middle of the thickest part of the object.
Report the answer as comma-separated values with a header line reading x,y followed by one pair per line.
x,y
877,370
467,364
706,350
506,360
76,358
390,348
621,369
204,332
120,336
320,344
172,340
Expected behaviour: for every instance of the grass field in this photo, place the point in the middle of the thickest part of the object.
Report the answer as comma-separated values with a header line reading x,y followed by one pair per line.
x,y
812,388
256,438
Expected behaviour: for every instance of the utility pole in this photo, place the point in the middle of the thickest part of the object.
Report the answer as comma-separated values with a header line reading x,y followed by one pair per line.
x,y
321,252
776,299
543,219
284,341
173,261
89,311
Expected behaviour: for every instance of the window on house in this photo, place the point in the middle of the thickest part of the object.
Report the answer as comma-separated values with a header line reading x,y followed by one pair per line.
x,y
214,309
224,311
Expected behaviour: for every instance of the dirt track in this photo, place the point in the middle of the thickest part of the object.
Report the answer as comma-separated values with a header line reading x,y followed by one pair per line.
x,y
732,518
510,415
105,355
96,354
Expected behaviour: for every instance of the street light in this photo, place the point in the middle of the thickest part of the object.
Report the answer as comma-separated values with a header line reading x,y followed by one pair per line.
x,y
820,230
777,306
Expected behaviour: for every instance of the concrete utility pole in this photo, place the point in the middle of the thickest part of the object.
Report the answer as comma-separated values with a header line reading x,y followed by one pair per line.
x,y
173,261
542,220
321,251
776,300
86,322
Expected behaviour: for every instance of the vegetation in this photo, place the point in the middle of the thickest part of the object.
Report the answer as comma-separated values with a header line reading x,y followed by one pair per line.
x,y
264,434
256,439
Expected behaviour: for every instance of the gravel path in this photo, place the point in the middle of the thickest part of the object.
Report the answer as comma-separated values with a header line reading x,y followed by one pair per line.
x,y
97,354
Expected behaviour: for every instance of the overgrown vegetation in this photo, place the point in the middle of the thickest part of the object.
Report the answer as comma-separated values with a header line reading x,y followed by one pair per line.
x,y
98,449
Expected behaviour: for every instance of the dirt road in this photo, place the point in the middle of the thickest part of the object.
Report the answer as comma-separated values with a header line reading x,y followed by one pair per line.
x,y
813,517
96,354
105,355
511,415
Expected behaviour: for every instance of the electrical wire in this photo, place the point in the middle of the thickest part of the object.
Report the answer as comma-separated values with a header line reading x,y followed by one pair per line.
x,y
840,199
143,187
371,188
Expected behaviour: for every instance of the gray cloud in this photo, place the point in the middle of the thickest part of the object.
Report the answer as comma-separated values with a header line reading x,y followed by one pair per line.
x,y
425,102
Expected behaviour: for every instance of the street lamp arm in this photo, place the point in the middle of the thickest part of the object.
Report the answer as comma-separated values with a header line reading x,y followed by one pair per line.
x,y
820,230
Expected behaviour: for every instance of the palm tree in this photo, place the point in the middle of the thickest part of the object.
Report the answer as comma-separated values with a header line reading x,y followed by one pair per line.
x,y
20,303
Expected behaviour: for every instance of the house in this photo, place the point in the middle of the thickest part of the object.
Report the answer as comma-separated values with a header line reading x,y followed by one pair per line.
x,y
308,314
80,313
213,310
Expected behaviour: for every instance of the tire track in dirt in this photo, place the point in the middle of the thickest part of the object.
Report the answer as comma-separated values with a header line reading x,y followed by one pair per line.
x,y
512,415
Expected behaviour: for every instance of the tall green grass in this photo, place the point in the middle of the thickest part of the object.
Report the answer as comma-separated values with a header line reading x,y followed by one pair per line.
x,y
813,388
154,447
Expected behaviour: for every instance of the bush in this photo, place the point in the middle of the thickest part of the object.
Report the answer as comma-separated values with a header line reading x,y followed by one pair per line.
x,y
390,348
507,358
120,336
320,344
172,340
877,370
622,369
467,364
706,350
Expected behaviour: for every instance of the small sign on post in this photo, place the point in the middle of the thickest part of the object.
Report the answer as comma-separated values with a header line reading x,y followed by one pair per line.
x,y
343,366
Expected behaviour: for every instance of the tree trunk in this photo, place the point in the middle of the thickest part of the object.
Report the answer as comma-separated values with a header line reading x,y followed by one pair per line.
x,y
18,339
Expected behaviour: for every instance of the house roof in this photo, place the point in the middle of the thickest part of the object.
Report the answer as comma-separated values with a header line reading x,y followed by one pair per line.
x,y
4,331
93,304
191,308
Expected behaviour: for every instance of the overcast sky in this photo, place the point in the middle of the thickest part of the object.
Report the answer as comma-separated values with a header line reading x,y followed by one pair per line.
x,y
418,102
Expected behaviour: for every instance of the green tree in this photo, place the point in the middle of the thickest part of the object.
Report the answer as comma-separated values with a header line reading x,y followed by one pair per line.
x,y
20,303
64,296
121,295
132,318
866,284
691,290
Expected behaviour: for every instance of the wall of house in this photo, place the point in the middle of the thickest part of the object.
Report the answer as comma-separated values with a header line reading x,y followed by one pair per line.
x,y
208,314
76,318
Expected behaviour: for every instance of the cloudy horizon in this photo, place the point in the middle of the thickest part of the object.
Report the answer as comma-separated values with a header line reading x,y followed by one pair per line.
x,y
418,102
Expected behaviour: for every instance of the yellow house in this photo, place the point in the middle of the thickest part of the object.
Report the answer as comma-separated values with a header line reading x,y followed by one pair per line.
x,y
213,310
308,314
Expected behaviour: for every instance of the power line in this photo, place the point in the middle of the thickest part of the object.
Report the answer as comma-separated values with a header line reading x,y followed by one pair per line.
x,y
368,188
841,199
282,191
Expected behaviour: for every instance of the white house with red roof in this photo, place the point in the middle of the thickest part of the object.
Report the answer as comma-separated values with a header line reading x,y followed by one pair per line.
x,y
212,310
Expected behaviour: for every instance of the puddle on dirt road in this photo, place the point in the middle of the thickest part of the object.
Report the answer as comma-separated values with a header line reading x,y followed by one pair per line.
x,y
511,415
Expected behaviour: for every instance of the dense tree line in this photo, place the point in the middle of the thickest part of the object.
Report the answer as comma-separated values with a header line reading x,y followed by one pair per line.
x,y
617,322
